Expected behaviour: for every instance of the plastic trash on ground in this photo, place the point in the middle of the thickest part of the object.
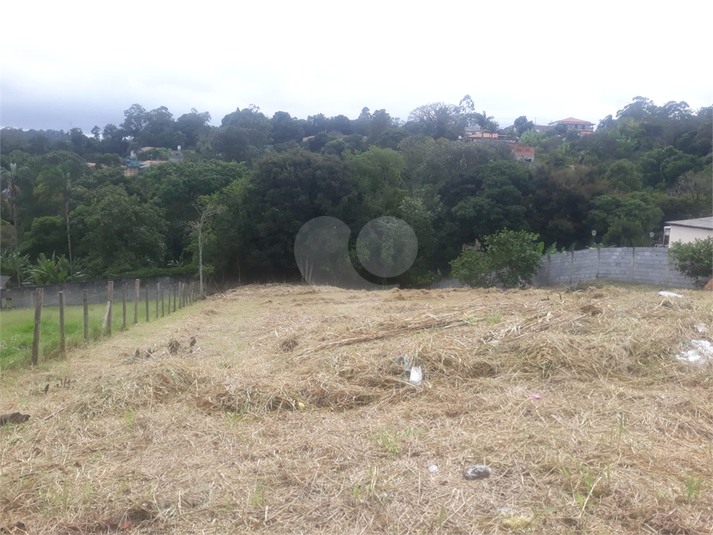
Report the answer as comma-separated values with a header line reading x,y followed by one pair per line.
x,y
669,294
701,352
433,469
479,471
416,376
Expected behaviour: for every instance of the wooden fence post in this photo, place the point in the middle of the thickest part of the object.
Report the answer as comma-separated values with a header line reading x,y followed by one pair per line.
x,y
109,300
85,300
162,307
38,326
158,291
62,342
180,295
175,291
147,303
123,306
137,285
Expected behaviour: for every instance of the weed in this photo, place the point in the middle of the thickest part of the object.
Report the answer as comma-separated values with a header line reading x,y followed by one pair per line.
x,y
492,318
693,487
258,497
389,442
442,517
129,414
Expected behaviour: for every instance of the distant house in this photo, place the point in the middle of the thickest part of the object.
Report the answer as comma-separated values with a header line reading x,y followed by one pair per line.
x,y
584,127
687,230
521,151
483,135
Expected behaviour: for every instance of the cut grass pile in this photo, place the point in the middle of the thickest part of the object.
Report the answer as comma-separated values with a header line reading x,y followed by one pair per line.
x,y
279,409
17,329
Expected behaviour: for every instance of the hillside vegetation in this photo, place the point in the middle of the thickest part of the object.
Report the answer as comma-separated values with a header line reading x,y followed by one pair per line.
x,y
69,212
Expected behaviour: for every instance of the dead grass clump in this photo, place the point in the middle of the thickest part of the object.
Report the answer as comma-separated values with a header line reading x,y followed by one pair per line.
x,y
157,382
289,344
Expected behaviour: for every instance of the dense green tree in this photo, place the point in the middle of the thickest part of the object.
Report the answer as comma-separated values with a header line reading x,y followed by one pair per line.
x,y
693,259
623,176
285,128
286,190
438,120
192,126
118,233
243,135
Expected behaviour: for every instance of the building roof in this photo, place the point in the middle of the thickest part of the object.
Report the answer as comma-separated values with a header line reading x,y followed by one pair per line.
x,y
571,120
701,222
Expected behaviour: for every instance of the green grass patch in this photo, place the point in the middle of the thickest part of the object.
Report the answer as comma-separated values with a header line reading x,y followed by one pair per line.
x,y
17,328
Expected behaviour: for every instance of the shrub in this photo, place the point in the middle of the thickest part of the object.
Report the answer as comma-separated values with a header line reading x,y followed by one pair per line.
x,y
510,259
693,259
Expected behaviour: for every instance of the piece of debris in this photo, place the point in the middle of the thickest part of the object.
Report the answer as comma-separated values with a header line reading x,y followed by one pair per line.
x,y
591,310
47,388
173,346
479,471
14,418
669,294
701,328
193,341
534,396
516,522
289,344
416,376
146,353
701,352
433,469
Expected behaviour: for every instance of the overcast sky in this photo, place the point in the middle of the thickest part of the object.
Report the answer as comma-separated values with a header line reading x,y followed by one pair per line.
x,y
82,64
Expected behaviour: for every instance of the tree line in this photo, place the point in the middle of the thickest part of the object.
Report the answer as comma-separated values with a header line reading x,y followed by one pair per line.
x,y
69,210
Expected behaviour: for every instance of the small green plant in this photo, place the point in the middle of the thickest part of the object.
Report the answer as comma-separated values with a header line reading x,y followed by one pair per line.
x,y
442,517
693,487
129,414
258,497
389,442
492,318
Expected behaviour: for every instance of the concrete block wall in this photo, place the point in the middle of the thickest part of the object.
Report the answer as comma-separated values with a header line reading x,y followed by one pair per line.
x,y
647,265
96,292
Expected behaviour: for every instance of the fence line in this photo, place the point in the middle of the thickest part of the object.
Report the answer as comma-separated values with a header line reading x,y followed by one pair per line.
x,y
106,329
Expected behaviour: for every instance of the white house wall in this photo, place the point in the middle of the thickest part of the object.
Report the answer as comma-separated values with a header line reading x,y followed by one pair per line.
x,y
688,234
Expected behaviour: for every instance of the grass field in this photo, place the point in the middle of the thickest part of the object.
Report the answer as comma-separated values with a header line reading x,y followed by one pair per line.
x,y
17,328
281,409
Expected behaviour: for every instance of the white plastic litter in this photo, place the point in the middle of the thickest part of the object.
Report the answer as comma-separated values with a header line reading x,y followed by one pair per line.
x,y
701,328
479,471
433,469
701,352
416,376
669,294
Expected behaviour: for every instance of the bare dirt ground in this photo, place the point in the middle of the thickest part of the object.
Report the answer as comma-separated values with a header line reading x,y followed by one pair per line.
x,y
281,409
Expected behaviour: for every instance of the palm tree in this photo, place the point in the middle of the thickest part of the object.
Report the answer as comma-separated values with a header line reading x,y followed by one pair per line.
x,y
12,176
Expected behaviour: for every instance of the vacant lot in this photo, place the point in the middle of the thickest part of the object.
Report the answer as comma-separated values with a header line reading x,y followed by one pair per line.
x,y
280,409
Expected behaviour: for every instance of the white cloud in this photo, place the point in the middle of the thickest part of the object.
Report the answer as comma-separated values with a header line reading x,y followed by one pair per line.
x,y
89,61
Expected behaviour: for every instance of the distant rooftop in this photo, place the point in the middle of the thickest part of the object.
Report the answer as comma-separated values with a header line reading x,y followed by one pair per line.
x,y
701,222
571,120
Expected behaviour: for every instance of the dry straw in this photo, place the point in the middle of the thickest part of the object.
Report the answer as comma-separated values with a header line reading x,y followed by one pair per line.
x,y
282,409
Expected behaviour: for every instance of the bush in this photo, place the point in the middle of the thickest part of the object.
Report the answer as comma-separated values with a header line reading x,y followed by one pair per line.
x,y
693,259
510,259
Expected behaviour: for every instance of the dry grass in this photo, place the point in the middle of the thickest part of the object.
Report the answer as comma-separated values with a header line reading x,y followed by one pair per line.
x,y
290,412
